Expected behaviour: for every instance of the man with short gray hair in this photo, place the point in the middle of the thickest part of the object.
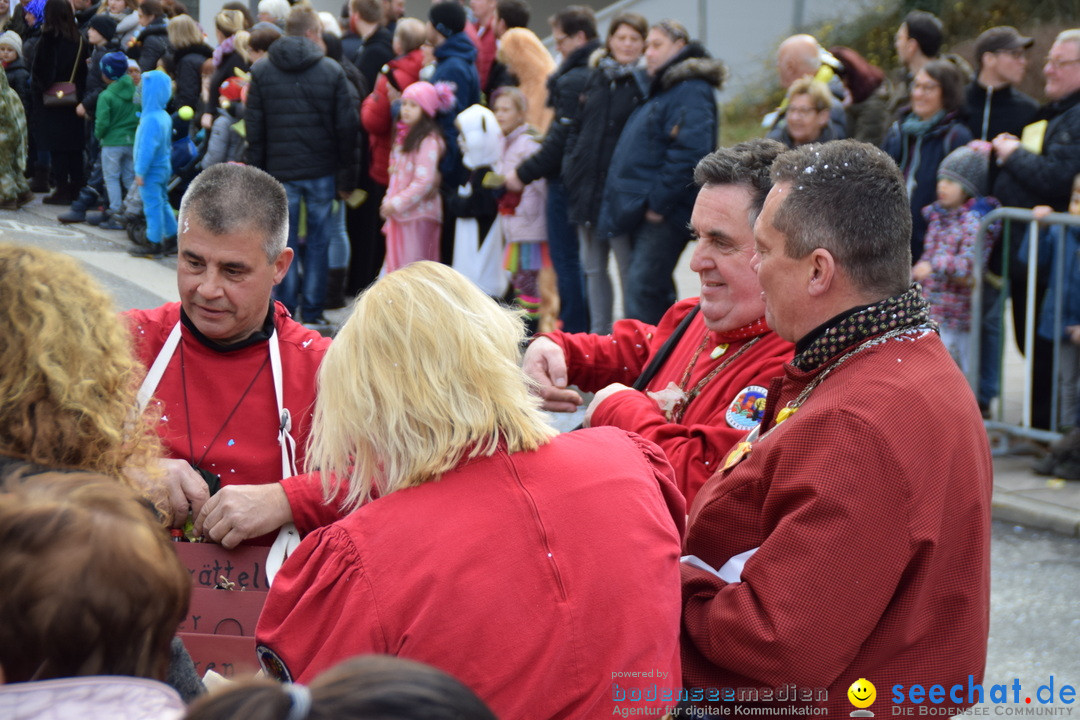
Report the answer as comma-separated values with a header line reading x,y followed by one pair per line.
x,y
230,373
842,540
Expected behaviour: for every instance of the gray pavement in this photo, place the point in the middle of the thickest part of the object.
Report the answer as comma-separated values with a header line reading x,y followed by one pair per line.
x,y
1020,496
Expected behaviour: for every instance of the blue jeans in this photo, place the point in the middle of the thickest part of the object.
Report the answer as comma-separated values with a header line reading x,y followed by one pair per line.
x,y
160,220
339,250
990,344
566,258
117,166
650,289
318,195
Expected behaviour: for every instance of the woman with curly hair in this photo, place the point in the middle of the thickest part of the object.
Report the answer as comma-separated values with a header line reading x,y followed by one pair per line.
x,y
69,385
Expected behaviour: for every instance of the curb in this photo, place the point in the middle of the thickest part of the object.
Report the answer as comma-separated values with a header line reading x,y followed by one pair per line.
x,y
1011,507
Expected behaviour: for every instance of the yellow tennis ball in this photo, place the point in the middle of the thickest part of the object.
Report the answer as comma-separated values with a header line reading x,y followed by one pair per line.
x,y
186,113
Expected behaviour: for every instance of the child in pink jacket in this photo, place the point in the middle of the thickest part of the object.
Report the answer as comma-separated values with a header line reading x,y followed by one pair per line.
x,y
412,207
522,214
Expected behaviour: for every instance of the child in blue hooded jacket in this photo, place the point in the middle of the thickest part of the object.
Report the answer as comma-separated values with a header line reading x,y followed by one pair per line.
x,y
153,145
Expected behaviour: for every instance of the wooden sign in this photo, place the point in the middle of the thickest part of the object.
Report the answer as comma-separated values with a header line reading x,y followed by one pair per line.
x,y
229,655
208,563
223,612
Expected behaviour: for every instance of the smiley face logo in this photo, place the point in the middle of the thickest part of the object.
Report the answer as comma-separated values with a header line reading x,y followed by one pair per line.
x,y
862,693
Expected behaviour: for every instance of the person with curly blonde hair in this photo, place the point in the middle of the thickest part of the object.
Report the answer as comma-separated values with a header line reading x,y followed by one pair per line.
x,y
70,379
496,547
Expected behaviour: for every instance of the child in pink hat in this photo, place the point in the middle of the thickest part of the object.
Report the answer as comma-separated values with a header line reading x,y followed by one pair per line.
x,y
412,207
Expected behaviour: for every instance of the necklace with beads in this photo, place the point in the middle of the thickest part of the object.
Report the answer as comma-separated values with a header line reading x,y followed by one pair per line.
x,y
675,414
742,449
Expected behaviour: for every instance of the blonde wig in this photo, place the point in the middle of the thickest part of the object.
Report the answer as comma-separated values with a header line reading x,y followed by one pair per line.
x,y
69,380
531,63
425,372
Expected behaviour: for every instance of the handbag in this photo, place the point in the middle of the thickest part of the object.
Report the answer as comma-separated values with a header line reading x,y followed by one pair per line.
x,y
64,94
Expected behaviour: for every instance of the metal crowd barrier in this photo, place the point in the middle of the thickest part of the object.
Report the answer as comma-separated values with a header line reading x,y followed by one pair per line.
x,y
1009,214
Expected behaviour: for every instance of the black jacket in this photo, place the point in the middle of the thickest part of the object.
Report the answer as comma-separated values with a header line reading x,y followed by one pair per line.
x,y
83,17
606,103
564,93
94,82
151,45
301,120
376,51
186,64
19,79
229,65
1027,179
991,112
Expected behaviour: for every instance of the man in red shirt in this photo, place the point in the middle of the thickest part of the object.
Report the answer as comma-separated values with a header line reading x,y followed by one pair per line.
x,y
848,539
226,364
710,391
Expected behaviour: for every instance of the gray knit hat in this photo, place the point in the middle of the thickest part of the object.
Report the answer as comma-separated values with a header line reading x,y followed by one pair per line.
x,y
970,167
12,40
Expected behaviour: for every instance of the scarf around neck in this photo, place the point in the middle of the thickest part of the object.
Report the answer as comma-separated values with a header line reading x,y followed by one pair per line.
x,y
908,309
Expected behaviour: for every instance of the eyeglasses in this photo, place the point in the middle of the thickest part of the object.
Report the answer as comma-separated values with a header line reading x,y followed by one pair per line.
x,y
1058,64
795,110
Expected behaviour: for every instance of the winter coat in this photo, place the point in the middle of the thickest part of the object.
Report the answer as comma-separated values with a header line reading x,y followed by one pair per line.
x,y
153,139
455,62
150,45
95,83
1028,179
413,193
83,17
127,24
529,221
607,101
869,120
529,65
18,77
1070,305
229,65
187,65
375,112
376,51
13,142
301,136
228,137
991,112
950,251
919,160
483,39
57,129
564,96
663,140
117,114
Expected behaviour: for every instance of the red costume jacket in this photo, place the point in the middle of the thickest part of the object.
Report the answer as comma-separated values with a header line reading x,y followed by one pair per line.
x,y
870,511
375,113
714,421
533,578
202,386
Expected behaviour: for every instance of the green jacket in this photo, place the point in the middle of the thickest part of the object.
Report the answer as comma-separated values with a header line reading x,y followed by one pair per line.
x,y
117,114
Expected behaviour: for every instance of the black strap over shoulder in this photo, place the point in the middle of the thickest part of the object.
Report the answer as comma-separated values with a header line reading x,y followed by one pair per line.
x,y
662,354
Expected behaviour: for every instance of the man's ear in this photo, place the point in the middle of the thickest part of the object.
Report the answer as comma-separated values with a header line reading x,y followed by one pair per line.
x,y
281,264
823,269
